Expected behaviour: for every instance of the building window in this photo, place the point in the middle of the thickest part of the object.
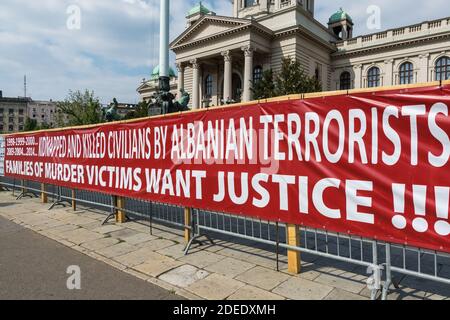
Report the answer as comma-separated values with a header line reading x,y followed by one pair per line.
x,y
208,86
345,81
406,73
250,3
21,112
318,72
373,77
443,69
257,74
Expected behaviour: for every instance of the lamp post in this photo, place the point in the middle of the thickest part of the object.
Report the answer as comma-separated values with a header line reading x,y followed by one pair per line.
x,y
164,80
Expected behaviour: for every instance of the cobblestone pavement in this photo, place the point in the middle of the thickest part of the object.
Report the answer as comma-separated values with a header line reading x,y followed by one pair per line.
x,y
225,270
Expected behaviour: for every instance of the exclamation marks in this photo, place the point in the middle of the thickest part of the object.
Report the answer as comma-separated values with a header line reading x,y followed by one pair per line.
x,y
420,224
420,202
442,194
399,221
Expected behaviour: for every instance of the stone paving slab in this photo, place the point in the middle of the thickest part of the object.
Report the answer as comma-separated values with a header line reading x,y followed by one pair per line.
x,y
137,257
116,250
338,294
100,244
215,287
138,238
263,278
202,259
79,236
155,267
252,293
124,233
341,283
156,244
230,267
184,276
302,289
108,229
175,251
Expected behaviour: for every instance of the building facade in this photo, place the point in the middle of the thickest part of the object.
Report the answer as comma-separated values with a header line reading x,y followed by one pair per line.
x,y
219,57
13,113
44,112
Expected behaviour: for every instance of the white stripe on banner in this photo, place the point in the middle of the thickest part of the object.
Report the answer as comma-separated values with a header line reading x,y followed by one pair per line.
x,y
2,156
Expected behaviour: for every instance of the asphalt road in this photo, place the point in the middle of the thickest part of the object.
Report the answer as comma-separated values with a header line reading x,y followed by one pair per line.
x,y
34,267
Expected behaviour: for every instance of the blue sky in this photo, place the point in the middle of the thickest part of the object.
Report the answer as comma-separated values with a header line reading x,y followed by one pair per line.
x,y
117,42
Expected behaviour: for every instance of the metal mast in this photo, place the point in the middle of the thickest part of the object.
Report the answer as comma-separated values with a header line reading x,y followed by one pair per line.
x,y
164,80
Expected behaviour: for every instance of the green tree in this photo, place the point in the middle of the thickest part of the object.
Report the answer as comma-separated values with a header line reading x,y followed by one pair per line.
x,y
79,108
45,126
141,111
291,79
30,125
264,88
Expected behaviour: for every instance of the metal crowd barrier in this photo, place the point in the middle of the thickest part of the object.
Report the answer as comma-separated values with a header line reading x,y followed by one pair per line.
x,y
381,259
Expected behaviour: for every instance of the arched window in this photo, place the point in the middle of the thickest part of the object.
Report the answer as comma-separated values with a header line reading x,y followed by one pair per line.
x,y
208,86
443,69
257,74
373,77
345,81
406,73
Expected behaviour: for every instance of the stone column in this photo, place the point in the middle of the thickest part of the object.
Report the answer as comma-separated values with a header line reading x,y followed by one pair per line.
x,y
180,85
227,76
423,75
248,74
358,77
389,73
195,84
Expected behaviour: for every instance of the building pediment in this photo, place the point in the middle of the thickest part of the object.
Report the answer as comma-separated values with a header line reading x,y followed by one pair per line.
x,y
212,27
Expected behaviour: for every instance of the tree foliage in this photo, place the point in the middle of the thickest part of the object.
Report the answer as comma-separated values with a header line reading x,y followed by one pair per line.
x,y
30,125
79,108
292,79
141,111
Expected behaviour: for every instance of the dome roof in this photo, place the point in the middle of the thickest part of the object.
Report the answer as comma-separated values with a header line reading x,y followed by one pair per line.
x,y
340,15
155,73
199,8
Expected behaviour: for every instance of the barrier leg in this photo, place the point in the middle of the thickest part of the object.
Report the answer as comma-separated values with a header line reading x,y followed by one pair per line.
x,y
44,196
74,201
120,214
187,224
293,239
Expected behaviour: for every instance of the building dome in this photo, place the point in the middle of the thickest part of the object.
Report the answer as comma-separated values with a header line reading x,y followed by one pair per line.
x,y
198,9
339,16
155,73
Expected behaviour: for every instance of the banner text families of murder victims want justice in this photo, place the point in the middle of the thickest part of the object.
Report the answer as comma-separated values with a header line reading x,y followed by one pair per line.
x,y
368,164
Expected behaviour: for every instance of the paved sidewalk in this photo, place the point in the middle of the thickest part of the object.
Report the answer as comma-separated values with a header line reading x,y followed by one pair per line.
x,y
225,270
35,267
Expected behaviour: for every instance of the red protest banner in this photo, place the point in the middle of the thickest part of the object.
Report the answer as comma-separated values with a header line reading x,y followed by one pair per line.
x,y
368,164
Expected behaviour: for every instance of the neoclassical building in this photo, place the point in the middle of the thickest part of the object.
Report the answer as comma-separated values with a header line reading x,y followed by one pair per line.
x,y
219,57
